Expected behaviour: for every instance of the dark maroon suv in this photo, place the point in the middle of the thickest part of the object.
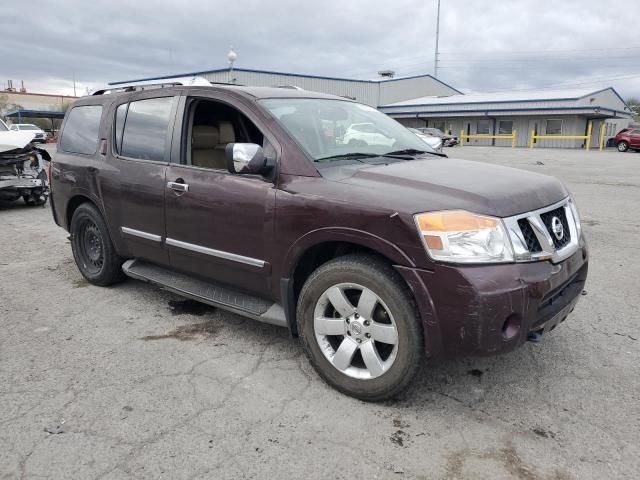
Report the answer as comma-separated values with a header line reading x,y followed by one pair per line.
x,y
375,254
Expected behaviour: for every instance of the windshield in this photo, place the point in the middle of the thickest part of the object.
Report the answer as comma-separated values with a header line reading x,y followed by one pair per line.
x,y
28,127
334,129
3,126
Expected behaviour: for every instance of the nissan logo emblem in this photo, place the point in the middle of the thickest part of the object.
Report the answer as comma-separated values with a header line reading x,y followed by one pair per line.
x,y
557,228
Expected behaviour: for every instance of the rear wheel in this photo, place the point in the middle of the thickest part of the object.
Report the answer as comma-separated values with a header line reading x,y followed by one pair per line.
x,y
93,250
623,146
359,326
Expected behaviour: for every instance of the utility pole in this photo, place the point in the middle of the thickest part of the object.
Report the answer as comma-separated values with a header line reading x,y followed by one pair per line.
x,y
435,57
74,83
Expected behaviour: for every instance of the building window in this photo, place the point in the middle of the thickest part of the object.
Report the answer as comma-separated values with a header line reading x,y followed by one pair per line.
x,y
554,127
505,127
80,134
439,124
483,127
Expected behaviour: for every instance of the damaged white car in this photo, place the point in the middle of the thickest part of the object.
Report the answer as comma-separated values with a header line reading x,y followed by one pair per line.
x,y
23,167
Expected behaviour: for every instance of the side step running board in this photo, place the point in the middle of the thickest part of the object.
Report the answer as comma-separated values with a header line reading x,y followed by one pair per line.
x,y
206,292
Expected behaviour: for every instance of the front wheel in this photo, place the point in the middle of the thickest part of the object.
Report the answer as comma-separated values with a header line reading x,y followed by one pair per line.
x,y
623,146
359,326
93,250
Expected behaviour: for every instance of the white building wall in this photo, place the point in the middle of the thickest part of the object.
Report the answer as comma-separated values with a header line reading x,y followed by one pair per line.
x,y
374,93
362,91
400,89
571,125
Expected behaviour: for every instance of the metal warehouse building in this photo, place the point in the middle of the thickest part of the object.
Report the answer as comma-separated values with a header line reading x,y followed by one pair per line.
x,y
424,101
545,112
371,92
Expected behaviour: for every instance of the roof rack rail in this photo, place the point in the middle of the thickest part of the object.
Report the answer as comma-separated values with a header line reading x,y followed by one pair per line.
x,y
151,84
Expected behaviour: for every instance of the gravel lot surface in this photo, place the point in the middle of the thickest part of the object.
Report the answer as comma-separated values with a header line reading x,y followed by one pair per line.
x,y
134,382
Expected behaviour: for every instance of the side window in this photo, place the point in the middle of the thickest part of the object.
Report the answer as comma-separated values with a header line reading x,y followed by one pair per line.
x,y
80,134
554,127
211,126
121,115
145,129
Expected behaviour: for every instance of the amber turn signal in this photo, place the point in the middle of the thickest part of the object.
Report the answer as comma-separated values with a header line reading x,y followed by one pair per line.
x,y
454,221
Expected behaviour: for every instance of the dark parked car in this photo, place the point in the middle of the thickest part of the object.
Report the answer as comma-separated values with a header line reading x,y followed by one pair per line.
x,y
374,255
627,138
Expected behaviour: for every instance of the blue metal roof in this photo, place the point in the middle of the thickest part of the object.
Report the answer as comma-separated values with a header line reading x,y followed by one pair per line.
x,y
34,114
590,108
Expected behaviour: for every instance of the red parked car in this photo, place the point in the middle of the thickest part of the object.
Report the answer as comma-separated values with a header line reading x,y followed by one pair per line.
x,y
628,138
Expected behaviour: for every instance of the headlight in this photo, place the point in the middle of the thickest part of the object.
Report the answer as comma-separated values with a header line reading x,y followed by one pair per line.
x,y
576,216
463,237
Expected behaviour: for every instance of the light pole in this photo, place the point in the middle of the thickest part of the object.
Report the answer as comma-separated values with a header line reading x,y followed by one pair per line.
x,y
435,57
231,56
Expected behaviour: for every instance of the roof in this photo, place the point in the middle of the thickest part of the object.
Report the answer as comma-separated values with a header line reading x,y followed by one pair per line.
x,y
35,114
6,92
504,97
289,74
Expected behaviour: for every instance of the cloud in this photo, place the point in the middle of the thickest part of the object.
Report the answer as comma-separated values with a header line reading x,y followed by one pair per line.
x,y
485,46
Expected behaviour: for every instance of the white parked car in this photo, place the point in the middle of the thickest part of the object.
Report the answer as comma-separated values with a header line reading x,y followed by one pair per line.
x,y
431,140
366,134
40,135
23,167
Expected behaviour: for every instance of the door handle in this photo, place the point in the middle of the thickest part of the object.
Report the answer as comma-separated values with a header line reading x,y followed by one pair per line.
x,y
178,186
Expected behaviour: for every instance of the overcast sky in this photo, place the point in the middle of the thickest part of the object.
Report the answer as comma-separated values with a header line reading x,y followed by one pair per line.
x,y
484,45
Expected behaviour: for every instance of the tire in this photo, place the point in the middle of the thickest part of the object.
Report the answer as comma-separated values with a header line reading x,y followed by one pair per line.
x,y
320,324
623,146
92,248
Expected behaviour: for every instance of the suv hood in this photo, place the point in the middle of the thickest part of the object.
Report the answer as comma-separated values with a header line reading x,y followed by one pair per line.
x,y
13,140
448,184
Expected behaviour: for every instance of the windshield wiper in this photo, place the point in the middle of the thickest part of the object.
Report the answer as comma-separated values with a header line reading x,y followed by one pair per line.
x,y
354,155
413,151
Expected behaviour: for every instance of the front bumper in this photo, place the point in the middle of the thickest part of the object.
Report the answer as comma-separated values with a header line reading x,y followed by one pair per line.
x,y
492,309
20,183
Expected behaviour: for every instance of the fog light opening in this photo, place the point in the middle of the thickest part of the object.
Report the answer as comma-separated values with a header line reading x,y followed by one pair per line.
x,y
511,327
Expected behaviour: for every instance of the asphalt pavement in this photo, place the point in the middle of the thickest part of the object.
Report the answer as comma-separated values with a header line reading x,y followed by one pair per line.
x,y
134,382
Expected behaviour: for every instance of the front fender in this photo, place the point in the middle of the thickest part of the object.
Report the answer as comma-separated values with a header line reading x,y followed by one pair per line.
x,y
341,234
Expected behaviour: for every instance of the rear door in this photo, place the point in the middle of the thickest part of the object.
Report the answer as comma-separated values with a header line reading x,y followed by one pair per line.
x,y
220,225
133,184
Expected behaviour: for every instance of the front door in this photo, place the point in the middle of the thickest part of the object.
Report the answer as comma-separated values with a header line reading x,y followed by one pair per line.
x,y
634,138
133,185
218,224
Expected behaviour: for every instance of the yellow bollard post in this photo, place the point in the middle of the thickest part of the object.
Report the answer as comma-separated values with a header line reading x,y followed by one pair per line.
x,y
533,132
513,139
601,141
589,129
461,137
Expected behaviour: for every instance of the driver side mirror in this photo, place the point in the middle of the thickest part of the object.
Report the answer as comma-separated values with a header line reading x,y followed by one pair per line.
x,y
246,158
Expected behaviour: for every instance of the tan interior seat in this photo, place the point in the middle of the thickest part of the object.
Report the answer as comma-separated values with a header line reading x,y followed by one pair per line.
x,y
204,152
227,135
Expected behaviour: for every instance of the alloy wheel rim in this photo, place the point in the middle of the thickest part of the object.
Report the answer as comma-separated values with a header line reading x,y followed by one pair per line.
x,y
355,331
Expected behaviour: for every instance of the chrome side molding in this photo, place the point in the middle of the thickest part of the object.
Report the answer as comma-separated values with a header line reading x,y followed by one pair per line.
x,y
215,253
139,233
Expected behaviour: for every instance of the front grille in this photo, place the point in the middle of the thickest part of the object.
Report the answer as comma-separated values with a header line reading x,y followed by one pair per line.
x,y
547,219
533,245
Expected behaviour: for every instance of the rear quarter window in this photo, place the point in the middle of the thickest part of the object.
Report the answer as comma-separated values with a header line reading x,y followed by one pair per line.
x,y
80,134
